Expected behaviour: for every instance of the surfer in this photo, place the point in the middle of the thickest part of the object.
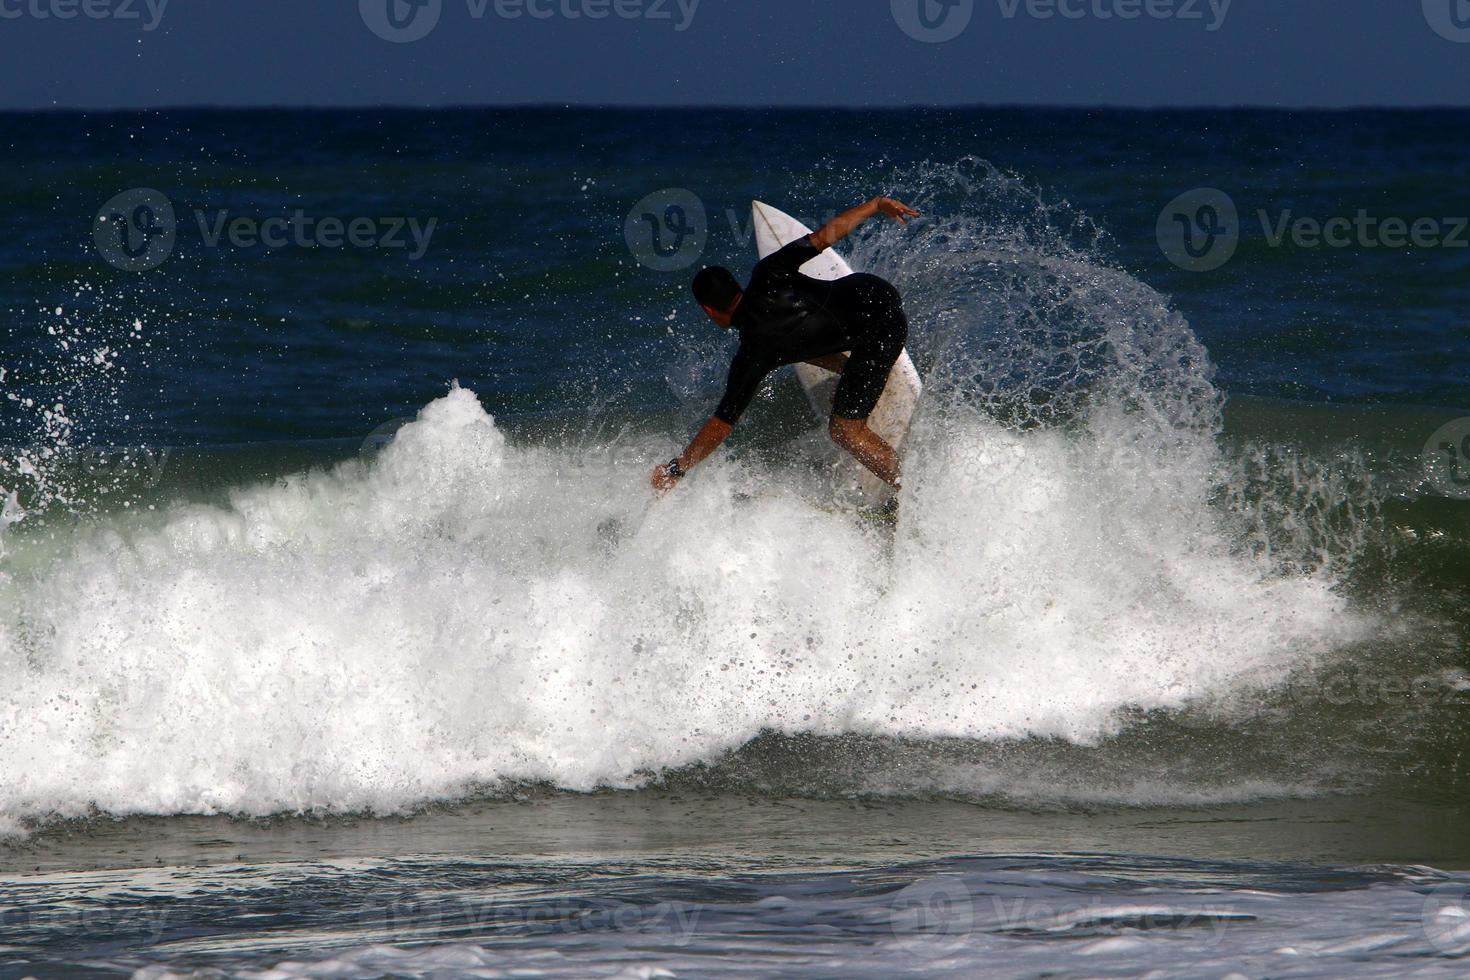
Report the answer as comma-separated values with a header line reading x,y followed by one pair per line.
x,y
785,317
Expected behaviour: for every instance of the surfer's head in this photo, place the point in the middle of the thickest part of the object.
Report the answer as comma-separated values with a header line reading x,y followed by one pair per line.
x,y
718,291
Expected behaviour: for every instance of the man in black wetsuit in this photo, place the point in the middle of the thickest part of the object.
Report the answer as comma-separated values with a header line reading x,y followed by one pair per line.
x,y
785,317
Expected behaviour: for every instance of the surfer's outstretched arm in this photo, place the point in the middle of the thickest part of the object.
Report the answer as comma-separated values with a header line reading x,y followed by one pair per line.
x,y
715,431
843,225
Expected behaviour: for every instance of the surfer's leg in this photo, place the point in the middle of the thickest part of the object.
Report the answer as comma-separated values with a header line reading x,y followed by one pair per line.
x,y
883,333
863,381
867,447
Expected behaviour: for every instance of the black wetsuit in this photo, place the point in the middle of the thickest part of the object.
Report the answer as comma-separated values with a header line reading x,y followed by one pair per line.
x,y
787,317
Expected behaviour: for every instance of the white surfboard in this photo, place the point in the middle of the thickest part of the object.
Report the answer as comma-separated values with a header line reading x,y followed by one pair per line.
x,y
890,419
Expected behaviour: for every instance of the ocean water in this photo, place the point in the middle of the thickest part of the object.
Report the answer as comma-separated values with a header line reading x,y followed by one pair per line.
x,y
340,634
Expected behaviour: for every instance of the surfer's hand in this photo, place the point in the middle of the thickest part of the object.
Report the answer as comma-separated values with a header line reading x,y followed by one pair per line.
x,y
663,481
897,210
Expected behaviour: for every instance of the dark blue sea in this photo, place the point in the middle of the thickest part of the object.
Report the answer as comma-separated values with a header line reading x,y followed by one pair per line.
x,y
342,636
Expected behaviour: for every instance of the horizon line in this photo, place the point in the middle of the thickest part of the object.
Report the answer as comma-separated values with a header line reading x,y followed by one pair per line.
x,y
732,107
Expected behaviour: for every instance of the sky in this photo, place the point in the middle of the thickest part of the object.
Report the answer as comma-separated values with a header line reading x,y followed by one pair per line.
x,y
148,53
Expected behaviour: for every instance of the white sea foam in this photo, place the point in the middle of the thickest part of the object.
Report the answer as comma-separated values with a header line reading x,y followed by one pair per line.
x,y
459,611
